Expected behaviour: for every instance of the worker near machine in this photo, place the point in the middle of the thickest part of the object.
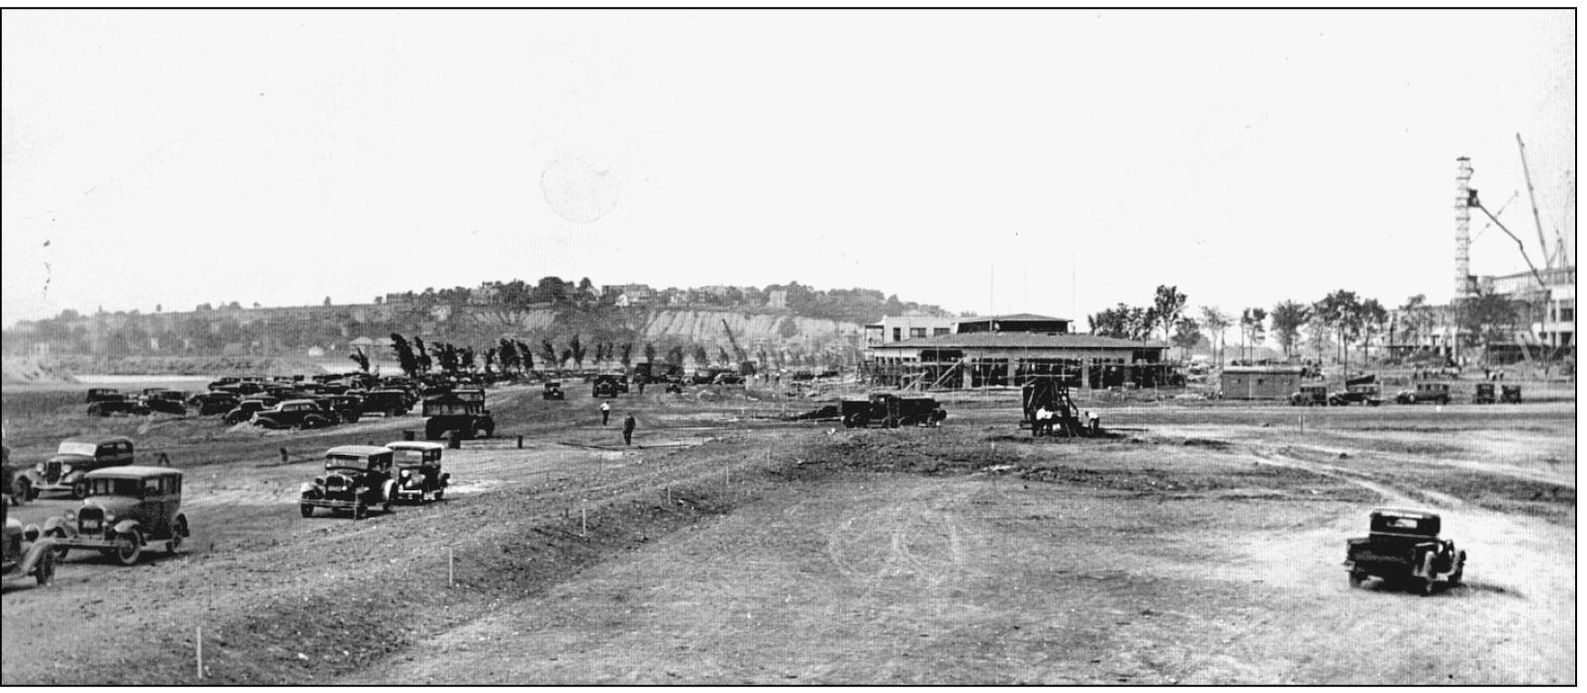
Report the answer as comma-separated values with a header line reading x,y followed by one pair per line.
x,y
1093,423
628,429
1042,421
606,412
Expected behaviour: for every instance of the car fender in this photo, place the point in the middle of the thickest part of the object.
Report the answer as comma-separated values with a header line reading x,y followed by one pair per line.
x,y
62,524
128,527
446,479
308,490
388,490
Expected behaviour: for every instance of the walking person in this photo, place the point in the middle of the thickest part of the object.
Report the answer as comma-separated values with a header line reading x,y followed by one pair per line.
x,y
606,412
628,429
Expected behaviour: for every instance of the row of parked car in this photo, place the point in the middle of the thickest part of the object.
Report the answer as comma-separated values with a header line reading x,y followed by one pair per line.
x,y
1424,392
128,509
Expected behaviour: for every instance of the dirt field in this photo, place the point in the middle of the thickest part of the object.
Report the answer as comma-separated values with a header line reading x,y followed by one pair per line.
x,y
1202,546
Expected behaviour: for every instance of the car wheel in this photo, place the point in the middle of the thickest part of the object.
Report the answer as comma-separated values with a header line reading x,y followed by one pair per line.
x,y
1460,569
174,544
438,493
129,547
1356,578
307,510
22,490
60,552
1426,585
80,489
45,570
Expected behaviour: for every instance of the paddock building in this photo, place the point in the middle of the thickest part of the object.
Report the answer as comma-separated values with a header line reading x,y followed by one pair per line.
x,y
993,359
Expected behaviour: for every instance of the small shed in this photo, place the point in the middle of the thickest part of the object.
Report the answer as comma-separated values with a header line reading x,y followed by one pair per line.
x,y
1259,382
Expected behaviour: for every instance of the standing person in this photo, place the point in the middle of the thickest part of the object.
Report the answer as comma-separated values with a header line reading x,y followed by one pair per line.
x,y
606,412
628,429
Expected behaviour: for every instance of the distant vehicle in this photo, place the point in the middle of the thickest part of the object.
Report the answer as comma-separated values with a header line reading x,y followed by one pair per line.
x,y
121,404
101,394
1484,394
1365,393
1403,549
214,402
1050,394
419,475
74,459
23,552
389,402
461,413
247,408
651,372
295,413
165,401
609,385
356,478
891,411
1510,394
553,391
1424,392
127,510
1310,396
344,408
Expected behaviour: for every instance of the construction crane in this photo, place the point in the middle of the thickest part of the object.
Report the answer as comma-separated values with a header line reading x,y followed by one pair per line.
x,y
1526,172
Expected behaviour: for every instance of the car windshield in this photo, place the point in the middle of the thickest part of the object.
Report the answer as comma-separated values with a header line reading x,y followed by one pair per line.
x,y
71,447
115,487
444,408
409,458
346,462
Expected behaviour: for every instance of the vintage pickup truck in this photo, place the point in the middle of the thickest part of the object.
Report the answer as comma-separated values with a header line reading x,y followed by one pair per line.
x,y
1403,549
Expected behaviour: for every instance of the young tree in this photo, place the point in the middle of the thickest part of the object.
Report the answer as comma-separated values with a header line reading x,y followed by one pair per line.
x,y
1186,335
576,349
1317,331
491,354
567,355
1341,311
422,354
362,359
405,358
1168,305
1215,322
1374,320
1251,330
1486,319
675,356
701,357
1415,318
526,356
628,352
507,356
650,353
549,351
1288,317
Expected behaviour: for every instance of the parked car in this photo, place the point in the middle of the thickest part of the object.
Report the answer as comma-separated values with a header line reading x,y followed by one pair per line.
x,y
891,411
245,409
74,459
120,404
127,510
165,401
23,551
1403,549
1510,394
100,394
1424,392
1368,394
609,385
343,407
294,413
210,403
1310,396
461,413
356,478
553,390
388,402
1483,394
419,475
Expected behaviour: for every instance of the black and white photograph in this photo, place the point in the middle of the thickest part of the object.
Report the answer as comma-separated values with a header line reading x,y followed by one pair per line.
x,y
801,346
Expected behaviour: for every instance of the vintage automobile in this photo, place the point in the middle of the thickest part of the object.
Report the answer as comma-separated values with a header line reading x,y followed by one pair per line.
x,y
1483,394
344,408
245,409
387,402
165,401
1310,396
356,478
295,413
24,552
553,390
127,510
121,404
459,412
891,411
101,394
74,459
14,481
1510,394
209,403
1368,394
1424,392
609,385
419,475
1403,548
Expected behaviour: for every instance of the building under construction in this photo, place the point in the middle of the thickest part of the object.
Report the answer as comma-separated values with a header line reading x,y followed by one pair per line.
x,y
1007,350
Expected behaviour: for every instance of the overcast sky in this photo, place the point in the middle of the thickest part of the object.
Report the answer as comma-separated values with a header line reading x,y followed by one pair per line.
x,y
1054,162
